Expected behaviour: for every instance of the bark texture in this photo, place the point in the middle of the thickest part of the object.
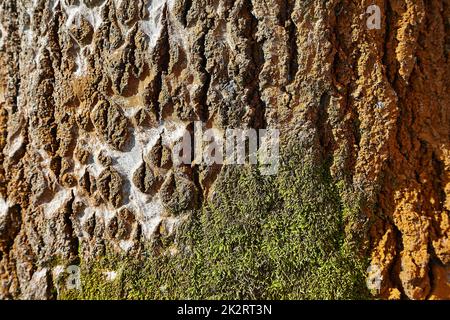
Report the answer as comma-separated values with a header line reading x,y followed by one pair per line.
x,y
95,93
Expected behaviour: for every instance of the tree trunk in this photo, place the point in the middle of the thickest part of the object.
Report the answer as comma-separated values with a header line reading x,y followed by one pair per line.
x,y
96,94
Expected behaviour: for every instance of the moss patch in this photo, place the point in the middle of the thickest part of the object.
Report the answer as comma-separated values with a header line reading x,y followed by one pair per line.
x,y
276,237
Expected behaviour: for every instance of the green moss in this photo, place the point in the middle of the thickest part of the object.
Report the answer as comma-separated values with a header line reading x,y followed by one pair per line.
x,y
275,237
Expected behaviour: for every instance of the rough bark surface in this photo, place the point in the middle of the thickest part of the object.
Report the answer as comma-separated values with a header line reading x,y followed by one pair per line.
x,y
94,94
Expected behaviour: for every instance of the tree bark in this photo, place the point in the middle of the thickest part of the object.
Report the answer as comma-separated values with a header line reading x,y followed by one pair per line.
x,y
94,95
